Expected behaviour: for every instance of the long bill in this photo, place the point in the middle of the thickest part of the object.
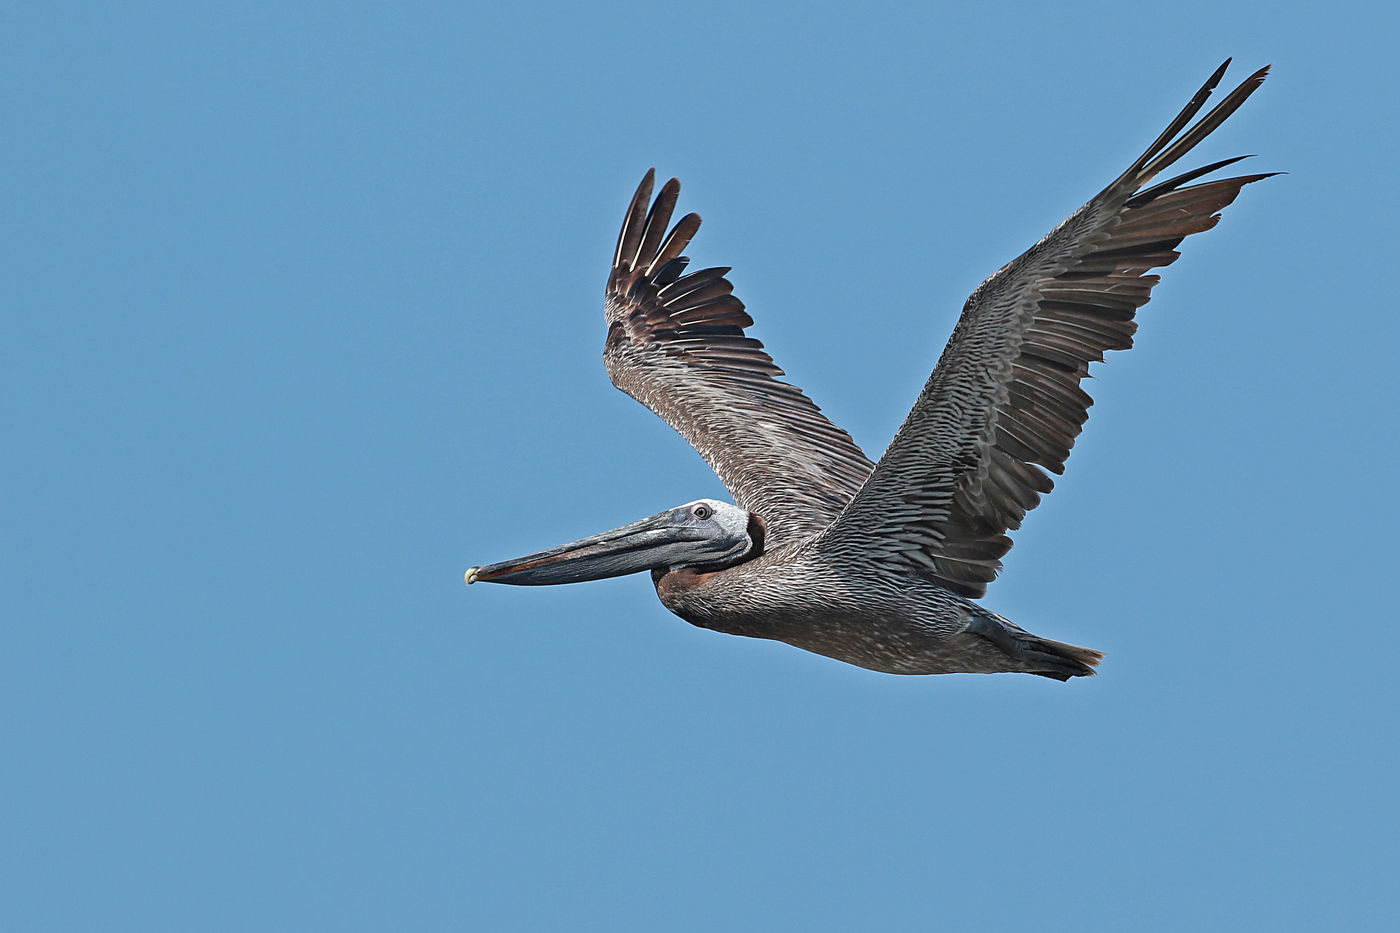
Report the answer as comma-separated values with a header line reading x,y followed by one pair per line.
x,y
652,542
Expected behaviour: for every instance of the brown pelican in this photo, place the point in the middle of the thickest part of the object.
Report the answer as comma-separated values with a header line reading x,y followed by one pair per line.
x,y
877,564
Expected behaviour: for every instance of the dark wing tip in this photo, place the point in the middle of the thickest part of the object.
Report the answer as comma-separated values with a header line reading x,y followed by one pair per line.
x,y
643,245
630,236
676,241
1176,140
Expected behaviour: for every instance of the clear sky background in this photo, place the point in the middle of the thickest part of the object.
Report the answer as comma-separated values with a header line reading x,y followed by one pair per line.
x,y
302,316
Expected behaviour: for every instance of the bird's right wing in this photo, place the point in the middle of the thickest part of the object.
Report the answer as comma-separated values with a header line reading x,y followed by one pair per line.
x,y
1004,403
676,343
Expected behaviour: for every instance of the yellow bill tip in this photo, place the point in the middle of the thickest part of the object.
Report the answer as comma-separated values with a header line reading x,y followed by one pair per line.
x,y
471,575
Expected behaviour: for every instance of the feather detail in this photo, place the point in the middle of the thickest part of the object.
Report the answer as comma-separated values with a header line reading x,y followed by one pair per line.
x,y
1005,403
676,343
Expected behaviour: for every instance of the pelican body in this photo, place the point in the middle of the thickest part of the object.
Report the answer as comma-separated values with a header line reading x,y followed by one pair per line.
x,y
879,564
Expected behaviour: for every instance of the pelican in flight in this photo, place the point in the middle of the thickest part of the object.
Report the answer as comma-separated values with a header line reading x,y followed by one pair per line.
x,y
878,564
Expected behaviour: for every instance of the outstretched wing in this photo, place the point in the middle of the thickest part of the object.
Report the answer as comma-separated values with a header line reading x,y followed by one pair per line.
x,y
676,344
1004,403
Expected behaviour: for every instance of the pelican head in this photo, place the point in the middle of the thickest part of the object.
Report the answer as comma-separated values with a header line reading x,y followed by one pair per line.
x,y
703,533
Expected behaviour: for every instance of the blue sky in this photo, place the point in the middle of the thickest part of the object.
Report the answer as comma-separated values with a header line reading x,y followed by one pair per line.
x,y
303,317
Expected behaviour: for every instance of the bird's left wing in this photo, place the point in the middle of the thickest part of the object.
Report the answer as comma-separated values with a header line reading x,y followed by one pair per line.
x,y
1004,403
676,344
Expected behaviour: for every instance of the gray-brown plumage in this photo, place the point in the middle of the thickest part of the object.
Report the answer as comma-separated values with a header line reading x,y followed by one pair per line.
x,y
876,564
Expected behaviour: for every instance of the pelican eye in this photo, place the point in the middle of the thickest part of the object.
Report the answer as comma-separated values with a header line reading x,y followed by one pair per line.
x,y
701,512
